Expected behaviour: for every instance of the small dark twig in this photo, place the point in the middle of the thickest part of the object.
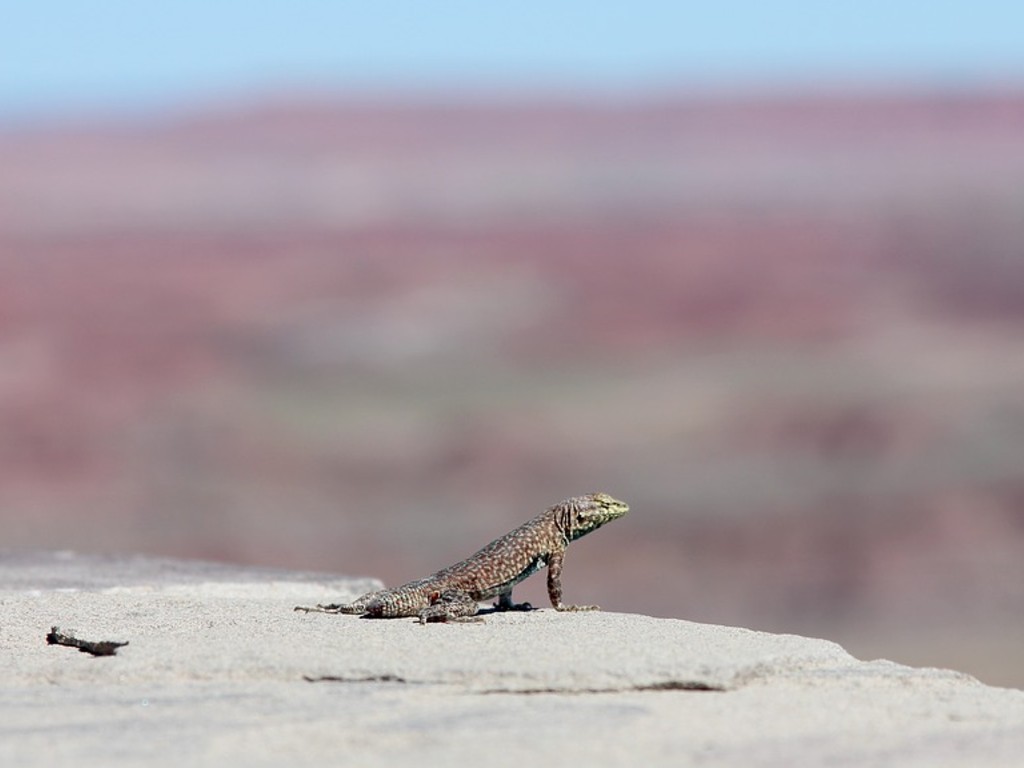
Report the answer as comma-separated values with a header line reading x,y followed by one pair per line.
x,y
386,678
96,648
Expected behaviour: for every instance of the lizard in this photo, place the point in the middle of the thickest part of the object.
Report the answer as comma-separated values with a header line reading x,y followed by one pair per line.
x,y
453,594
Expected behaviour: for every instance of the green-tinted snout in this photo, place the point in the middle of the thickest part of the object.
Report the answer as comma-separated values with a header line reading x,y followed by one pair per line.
x,y
594,510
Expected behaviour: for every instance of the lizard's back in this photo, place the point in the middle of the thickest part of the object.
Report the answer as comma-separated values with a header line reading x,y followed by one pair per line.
x,y
505,561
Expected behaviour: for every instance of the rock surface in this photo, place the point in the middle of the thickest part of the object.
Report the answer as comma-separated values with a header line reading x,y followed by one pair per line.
x,y
220,670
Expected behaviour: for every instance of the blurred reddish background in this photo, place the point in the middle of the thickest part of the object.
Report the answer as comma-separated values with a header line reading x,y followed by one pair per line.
x,y
369,336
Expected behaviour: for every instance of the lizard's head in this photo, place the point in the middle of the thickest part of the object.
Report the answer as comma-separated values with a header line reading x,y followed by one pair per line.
x,y
583,514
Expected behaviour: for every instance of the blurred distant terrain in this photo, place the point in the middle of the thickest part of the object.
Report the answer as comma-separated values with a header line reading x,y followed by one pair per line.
x,y
370,336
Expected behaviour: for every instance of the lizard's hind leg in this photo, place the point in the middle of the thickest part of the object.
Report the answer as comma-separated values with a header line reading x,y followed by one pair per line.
x,y
451,605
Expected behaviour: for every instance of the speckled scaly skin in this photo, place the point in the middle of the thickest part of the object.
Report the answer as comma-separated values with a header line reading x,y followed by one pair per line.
x,y
453,594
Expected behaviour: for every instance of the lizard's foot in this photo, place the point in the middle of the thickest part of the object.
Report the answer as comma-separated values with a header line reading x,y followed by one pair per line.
x,y
510,606
505,603
577,608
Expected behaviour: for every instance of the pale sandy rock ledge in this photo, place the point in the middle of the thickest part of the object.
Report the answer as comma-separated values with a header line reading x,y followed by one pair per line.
x,y
220,670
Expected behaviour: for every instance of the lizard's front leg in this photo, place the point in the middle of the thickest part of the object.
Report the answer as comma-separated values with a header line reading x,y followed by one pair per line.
x,y
555,586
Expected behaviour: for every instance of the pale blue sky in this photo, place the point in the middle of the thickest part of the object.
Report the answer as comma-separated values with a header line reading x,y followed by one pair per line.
x,y
68,54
